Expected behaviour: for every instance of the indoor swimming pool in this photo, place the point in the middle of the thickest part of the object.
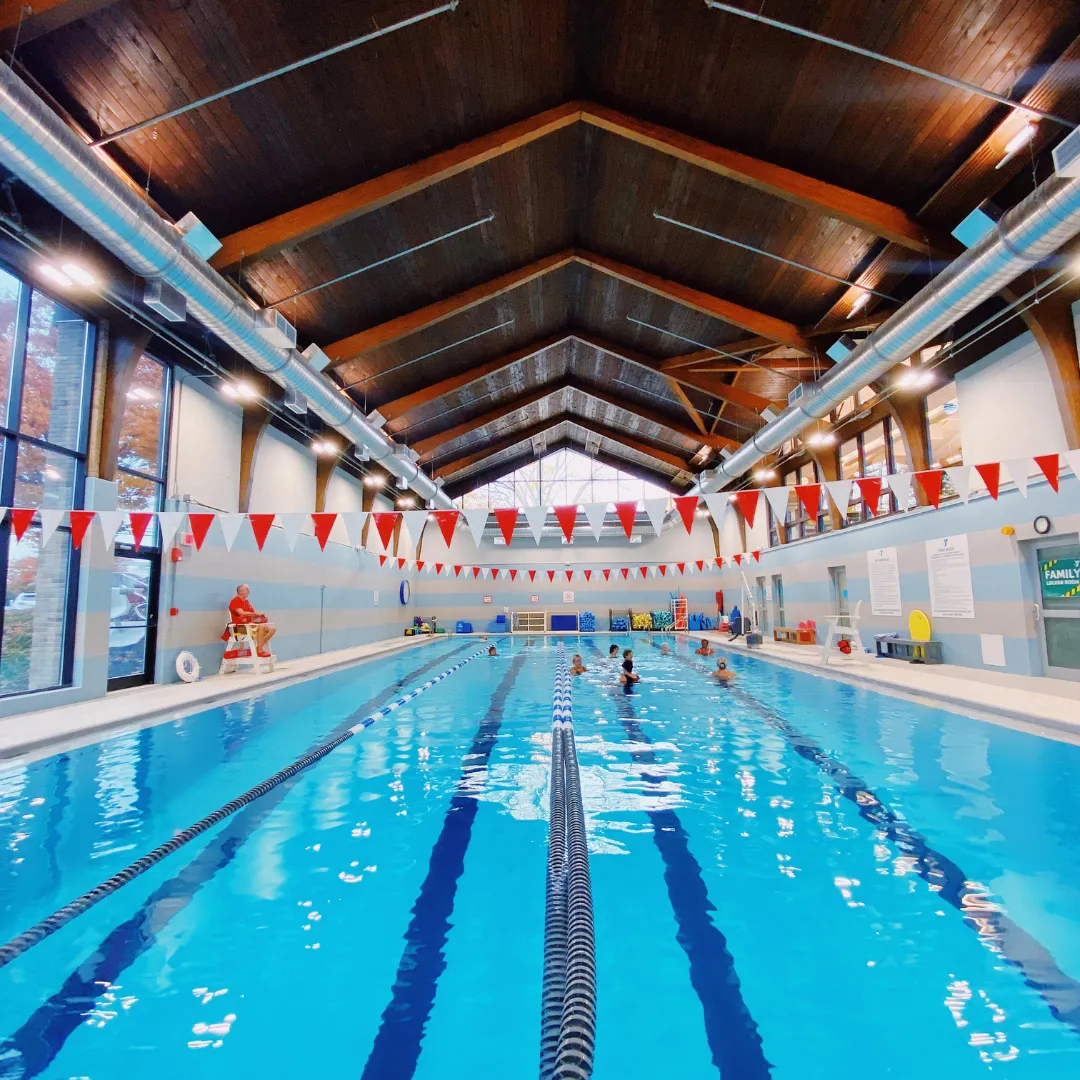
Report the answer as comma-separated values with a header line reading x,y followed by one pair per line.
x,y
787,874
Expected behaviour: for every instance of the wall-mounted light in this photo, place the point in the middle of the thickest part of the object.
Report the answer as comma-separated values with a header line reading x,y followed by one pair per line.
x,y
765,474
821,438
374,480
239,391
913,378
324,447
406,500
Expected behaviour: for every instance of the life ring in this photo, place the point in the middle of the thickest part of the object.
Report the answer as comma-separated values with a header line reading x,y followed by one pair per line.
x,y
187,667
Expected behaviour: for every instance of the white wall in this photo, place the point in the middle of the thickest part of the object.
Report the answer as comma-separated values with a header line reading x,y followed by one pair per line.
x,y
205,446
284,480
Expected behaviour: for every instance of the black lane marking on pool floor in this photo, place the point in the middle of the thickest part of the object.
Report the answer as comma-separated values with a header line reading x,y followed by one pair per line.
x,y
31,1049
1040,970
730,1028
396,1050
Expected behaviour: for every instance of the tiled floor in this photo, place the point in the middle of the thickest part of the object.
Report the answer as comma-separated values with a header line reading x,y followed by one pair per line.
x,y
1049,706
51,730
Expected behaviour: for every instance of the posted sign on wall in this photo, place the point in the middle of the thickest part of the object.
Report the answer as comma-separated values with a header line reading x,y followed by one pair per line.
x,y
1060,579
949,567
884,570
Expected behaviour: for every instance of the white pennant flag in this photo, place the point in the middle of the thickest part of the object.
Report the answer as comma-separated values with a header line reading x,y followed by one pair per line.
x,y
168,522
960,478
50,520
110,522
291,524
777,498
656,509
352,520
230,527
1019,469
840,493
414,522
718,506
900,486
477,520
1071,456
535,516
595,513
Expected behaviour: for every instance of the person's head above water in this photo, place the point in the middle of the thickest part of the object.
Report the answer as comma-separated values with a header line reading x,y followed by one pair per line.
x,y
577,658
721,665
704,643
613,651
627,653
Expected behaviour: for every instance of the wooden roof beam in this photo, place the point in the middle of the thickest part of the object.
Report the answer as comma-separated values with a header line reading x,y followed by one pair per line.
x,y
672,460
34,18
466,461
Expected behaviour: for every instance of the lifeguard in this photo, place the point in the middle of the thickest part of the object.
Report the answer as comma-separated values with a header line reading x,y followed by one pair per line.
x,y
241,613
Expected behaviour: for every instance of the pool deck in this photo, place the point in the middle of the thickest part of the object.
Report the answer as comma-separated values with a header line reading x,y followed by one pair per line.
x,y
1049,707
49,731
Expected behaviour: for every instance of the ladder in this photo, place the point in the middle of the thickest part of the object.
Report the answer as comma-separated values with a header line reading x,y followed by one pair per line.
x,y
678,612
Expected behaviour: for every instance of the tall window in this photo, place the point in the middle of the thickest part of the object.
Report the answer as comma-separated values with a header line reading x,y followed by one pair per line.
x,y
943,426
877,451
45,356
561,478
800,524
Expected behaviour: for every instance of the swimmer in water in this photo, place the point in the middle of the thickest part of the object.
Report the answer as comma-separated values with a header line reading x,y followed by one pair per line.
x,y
577,667
628,676
664,650
492,651
722,673
613,652
704,649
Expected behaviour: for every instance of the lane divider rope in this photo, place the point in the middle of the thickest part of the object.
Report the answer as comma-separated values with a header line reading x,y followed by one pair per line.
x,y
568,1011
60,918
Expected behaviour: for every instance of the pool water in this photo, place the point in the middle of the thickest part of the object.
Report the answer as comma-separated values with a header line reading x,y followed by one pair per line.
x,y
791,877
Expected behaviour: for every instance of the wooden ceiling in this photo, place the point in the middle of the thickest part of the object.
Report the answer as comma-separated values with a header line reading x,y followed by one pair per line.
x,y
570,124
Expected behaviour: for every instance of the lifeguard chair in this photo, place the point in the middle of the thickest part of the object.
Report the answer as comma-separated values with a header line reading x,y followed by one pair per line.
x,y
240,652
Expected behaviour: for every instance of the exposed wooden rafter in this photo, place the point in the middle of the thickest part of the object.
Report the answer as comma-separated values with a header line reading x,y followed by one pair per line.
x,y
34,18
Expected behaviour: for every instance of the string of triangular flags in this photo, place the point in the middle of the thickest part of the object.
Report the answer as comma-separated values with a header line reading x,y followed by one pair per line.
x,y
870,490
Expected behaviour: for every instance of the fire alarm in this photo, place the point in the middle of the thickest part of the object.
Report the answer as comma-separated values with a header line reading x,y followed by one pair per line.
x,y
176,554
174,611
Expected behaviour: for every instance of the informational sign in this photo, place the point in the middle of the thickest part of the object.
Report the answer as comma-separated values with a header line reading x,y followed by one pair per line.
x,y
993,649
375,601
1060,579
487,599
535,598
949,568
567,597
884,574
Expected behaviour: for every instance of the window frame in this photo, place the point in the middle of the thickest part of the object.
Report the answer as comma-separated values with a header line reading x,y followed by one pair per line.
x,y
11,438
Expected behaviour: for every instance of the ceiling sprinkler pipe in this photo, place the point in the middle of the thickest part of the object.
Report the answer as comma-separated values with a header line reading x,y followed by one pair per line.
x,y
46,155
1024,237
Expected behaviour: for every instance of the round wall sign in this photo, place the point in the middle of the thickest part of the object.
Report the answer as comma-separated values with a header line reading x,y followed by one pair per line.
x,y
404,592
1042,524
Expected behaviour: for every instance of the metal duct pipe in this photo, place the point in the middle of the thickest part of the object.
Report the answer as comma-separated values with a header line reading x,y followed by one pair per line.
x,y
1032,231
47,156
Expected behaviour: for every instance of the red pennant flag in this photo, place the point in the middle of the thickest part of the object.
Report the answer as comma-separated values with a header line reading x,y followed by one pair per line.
x,y
627,512
476,572
260,527
506,520
324,525
532,575
401,564
991,476
719,564
80,522
1050,465
569,575
551,575
738,559
810,497
382,560
457,571
701,566
447,521
385,523
870,490
686,505
625,572
200,526
663,569
682,567
607,575
747,501
419,567
588,575
644,571
930,481
513,575
438,568
494,573
20,521
757,555
566,516
139,522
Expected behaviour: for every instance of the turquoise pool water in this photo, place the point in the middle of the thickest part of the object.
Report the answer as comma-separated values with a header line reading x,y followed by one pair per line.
x,y
791,878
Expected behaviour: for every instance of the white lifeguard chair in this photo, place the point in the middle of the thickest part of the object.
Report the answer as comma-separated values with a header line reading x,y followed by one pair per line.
x,y
240,652
841,626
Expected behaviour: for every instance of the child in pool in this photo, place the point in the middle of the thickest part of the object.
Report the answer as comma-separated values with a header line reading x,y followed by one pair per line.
x,y
492,651
613,652
722,673
704,649
628,676
577,667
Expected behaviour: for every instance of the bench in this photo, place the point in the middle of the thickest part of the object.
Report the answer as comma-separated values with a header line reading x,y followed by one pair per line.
x,y
914,652
795,635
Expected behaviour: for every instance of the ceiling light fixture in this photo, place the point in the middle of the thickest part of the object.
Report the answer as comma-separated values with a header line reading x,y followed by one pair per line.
x,y
406,500
240,391
765,474
1018,142
860,302
324,447
821,438
374,480
57,277
79,274
913,378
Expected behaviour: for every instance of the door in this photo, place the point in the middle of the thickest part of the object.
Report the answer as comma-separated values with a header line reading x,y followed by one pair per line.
x,y
838,584
1057,568
779,615
762,605
133,618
